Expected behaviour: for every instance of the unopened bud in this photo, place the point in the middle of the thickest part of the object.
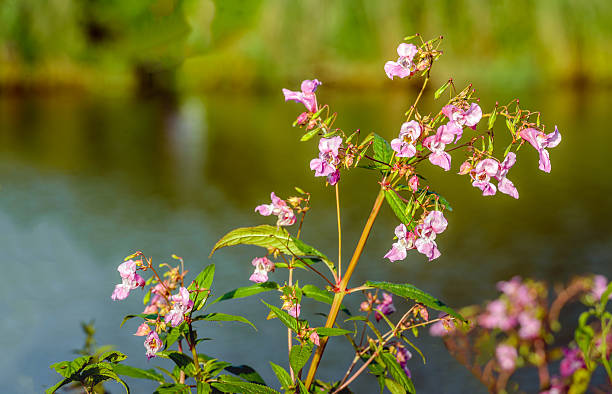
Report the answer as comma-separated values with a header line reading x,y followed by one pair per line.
x,y
302,119
465,168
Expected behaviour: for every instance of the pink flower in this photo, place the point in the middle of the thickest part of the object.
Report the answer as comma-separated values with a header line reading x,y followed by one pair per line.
x,y
143,330
600,284
485,169
434,224
327,163
530,326
413,183
540,142
404,144
402,356
181,305
506,357
572,361
468,118
496,316
314,337
279,208
519,295
405,241
262,267
130,280
436,144
441,328
403,67
291,308
152,344
504,184
306,96
386,307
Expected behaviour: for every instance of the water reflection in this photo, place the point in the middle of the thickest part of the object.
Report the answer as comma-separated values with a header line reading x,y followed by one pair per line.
x,y
86,181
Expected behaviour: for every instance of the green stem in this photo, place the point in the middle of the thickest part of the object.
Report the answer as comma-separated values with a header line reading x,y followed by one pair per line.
x,y
335,308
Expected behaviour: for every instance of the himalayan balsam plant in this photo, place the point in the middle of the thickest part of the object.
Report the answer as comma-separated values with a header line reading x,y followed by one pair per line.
x,y
381,346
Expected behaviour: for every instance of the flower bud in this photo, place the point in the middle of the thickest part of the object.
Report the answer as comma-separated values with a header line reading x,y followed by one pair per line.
x,y
302,119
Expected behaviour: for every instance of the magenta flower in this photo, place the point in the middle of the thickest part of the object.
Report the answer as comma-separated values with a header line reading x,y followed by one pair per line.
x,y
181,305
497,316
404,144
386,307
436,144
327,163
262,267
572,361
405,241
530,326
485,169
403,67
402,356
434,224
506,357
130,280
293,309
152,343
468,118
306,96
540,142
504,184
279,208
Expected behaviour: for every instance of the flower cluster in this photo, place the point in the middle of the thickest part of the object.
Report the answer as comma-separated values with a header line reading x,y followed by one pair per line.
x,y
384,307
130,280
181,305
404,66
278,208
422,238
328,162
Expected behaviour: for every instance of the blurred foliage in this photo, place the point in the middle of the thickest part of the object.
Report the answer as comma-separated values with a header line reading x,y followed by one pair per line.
x,y
172,45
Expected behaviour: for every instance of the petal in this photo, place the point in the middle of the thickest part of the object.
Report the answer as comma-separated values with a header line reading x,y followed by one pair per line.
x,y
121,292
259,277
544,160
309,86
436,221
397,252
407,50
441,159
553,138
488,166
507,187
530,135
393,69
473,115
265,210
428,248
509,161
333,178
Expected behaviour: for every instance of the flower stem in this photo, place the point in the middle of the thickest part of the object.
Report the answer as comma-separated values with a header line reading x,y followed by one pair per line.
x,y
339,232
335,308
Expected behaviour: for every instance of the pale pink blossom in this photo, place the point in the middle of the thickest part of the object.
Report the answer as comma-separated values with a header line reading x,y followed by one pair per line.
x,y
404,145
279,208
130,280
434,224
436,144
328,161
462,118
314,338
497,316
306,96
293,309
481,175
413,183
540,142
152,343
519,294
505,185
403,67
405,241
506,357
262,267
181,305
143,330
600,284
386,307
530,326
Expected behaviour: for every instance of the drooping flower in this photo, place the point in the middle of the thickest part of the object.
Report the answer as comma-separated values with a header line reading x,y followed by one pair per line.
x,y
143,330
469,118
402,356
279,208
572,361
404,145
130,280
306,96
435,223
181,305
506,356
152,343
262,267
292,308
405,241
505,185
442,327
436,144
403,67
482,174
413,183
385,307
540,142
328,161
314,337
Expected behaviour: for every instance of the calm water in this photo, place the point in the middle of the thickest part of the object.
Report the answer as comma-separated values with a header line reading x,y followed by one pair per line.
x,y
85,182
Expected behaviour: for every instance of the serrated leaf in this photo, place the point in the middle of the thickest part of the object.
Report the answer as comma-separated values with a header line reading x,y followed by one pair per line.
x,y
146,316
243,388
312,291
112,356
202,281
245,372
138,373
299,355
398,206
397,372
203,388
216,316
332,331
283,376
56,386
394,387
172,388
101,372
247,291
382,149
69,368
180,359
284,317
173,335
410,292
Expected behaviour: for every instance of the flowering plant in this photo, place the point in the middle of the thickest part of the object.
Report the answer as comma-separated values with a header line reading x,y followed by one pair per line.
x,y
422,140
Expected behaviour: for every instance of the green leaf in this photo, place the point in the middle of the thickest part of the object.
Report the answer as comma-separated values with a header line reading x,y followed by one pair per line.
x,y
146,316
243,388
299,355
174,335
180,359
202,281
398,206
133,372
216,316
69,368
303,389
56,386
203,388
284,317
492,119
245,372
173,388
103,371
317,294
283,376
394,387
112,356
382,149
247,291
268,236
397,372
332,331
410,292
441,90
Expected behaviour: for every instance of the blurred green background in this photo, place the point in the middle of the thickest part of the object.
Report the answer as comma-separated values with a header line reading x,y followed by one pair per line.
x,y
196,45
159,125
